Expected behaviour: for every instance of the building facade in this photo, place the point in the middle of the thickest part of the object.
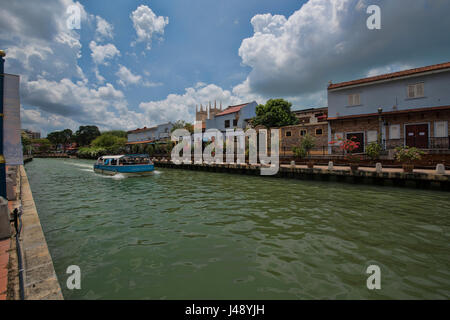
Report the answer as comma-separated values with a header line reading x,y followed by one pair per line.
x,y
312,122
31,135
233,117
202,115
159,133
406,108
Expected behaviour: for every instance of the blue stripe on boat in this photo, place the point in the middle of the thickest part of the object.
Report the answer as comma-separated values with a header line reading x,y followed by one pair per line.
x,y
126,169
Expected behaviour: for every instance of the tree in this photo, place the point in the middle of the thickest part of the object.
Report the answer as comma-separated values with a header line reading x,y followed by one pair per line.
x,y
112,143
60,137
55,138
66,136
85,135
117,133
306,145
26,142
43,145
275,113
308,142
181,124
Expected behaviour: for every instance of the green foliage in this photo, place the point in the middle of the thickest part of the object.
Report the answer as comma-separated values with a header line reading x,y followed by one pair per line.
x,y
275,113
373,150
181,124
108,143
26,142
60,137
108,140
299,152
307,143
116,133
91,152
41,145
407,154
85,135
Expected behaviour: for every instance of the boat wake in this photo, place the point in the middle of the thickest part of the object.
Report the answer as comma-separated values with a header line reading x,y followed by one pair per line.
x,y
81,165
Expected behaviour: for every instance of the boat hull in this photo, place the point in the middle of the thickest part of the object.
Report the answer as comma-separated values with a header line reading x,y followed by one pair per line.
x,y
135,170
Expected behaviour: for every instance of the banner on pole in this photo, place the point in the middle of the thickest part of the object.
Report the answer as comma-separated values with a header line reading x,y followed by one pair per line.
x,y
12,142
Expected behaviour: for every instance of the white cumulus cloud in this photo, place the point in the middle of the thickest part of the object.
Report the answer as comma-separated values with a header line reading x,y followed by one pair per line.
x,y
104,29
101,53
147,24
127,77
182,106
328,40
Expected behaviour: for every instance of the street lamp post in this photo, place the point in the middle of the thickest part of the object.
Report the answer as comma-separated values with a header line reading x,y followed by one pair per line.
x,y
380,121
2,158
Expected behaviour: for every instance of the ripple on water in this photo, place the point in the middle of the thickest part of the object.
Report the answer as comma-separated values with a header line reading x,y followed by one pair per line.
x,y
253,237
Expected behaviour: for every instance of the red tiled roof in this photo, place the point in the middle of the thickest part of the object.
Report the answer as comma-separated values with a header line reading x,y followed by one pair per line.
x,y
390,75
139,142
141,130
232,109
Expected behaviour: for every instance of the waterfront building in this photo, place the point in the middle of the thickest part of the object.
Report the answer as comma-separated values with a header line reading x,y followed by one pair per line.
x,y
406,108
233,117
30,134
313,122
201,116
156,134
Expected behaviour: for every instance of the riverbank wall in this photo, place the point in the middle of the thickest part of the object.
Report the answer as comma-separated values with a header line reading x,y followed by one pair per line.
x,y
27,159
31,274
425,179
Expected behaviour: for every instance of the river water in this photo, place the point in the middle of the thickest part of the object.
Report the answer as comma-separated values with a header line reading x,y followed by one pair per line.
x,y
197,235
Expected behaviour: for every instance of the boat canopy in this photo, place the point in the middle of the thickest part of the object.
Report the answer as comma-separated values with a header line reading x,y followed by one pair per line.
x,y
137,155
113,157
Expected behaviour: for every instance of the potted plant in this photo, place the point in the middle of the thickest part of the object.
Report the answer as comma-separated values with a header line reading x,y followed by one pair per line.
x,y
349,146
407,156
306,145
299,153
373,150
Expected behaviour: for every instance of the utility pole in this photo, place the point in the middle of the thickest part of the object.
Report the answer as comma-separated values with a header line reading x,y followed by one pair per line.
x,y
2,158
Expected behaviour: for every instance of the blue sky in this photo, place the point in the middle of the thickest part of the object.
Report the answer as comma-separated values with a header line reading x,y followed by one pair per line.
x,y
200,44
141,63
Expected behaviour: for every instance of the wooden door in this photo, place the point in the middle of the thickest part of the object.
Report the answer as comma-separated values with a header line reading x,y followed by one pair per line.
x,y
417,135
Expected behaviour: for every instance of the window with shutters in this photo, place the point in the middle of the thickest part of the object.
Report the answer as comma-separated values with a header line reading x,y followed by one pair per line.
x,y
354,100
440,129
394,131
372,136
416,90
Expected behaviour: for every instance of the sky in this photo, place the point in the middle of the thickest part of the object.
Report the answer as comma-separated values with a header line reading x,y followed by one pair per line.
x,y
141,63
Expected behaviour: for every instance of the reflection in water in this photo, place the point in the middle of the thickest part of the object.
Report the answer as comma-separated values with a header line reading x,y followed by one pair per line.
x,y
186,234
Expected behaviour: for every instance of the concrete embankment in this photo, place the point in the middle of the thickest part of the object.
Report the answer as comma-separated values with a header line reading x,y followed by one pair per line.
x,y
389,177
37,280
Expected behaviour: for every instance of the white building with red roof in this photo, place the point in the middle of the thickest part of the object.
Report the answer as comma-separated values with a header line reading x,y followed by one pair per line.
x,y
233,117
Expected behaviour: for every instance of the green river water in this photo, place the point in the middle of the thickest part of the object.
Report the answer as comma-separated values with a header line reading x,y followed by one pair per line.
x,y
196,235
